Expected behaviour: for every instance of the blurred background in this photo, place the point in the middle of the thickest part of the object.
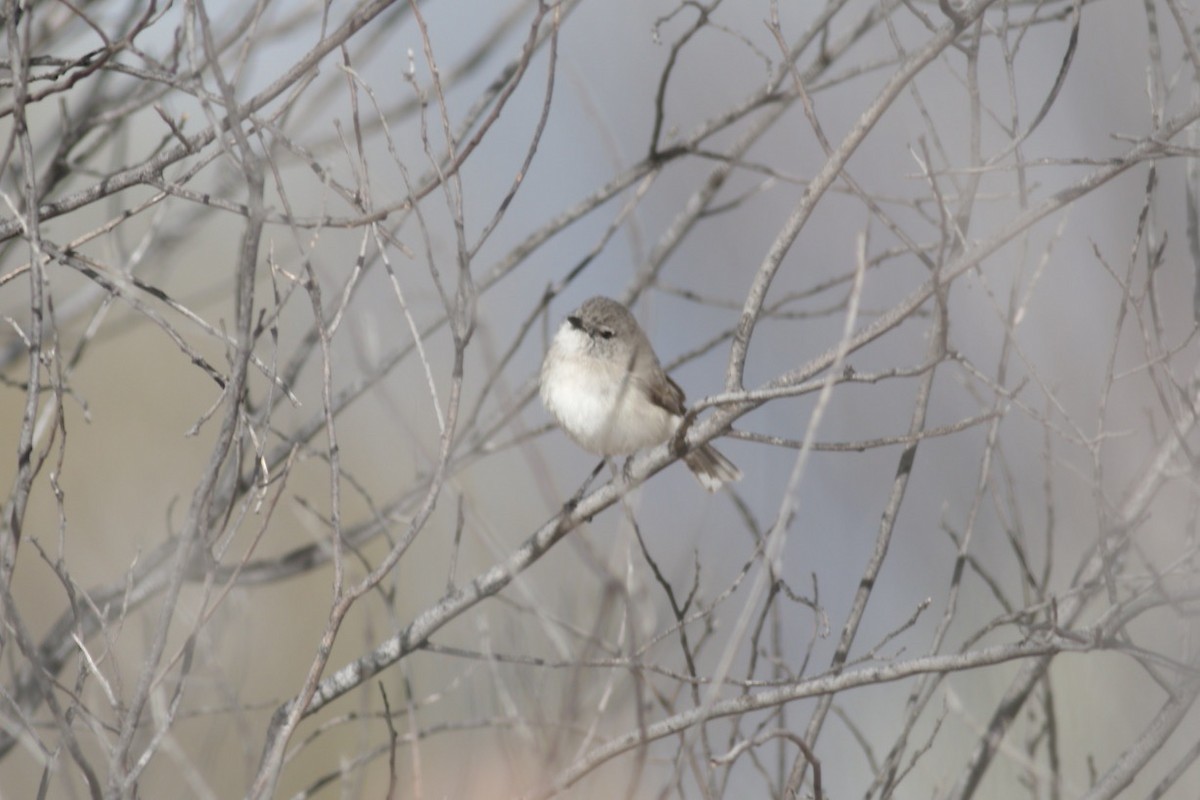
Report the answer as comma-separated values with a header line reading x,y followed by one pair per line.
x,y
995,200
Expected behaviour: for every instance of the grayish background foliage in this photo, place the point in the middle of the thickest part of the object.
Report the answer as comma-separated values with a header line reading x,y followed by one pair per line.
x,y
285,516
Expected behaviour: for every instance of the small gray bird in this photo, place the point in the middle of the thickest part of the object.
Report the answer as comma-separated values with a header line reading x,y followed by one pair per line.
x,y
602,381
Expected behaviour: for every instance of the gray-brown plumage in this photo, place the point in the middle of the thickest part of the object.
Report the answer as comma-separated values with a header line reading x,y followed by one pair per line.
x,y
603,383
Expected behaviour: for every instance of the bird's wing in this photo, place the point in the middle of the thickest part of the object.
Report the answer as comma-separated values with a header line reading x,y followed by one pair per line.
x,y
666,394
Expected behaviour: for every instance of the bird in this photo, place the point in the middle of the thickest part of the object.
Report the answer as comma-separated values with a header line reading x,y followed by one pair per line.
x,y
604,385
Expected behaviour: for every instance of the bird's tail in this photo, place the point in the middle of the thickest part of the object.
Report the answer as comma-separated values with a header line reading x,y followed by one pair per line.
x,y
712,469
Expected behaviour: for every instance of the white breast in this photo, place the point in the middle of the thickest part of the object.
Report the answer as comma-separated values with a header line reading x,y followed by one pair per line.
x,y
597,406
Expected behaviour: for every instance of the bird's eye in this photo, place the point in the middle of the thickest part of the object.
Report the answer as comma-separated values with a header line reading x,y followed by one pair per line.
x,y
606,333
575,321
